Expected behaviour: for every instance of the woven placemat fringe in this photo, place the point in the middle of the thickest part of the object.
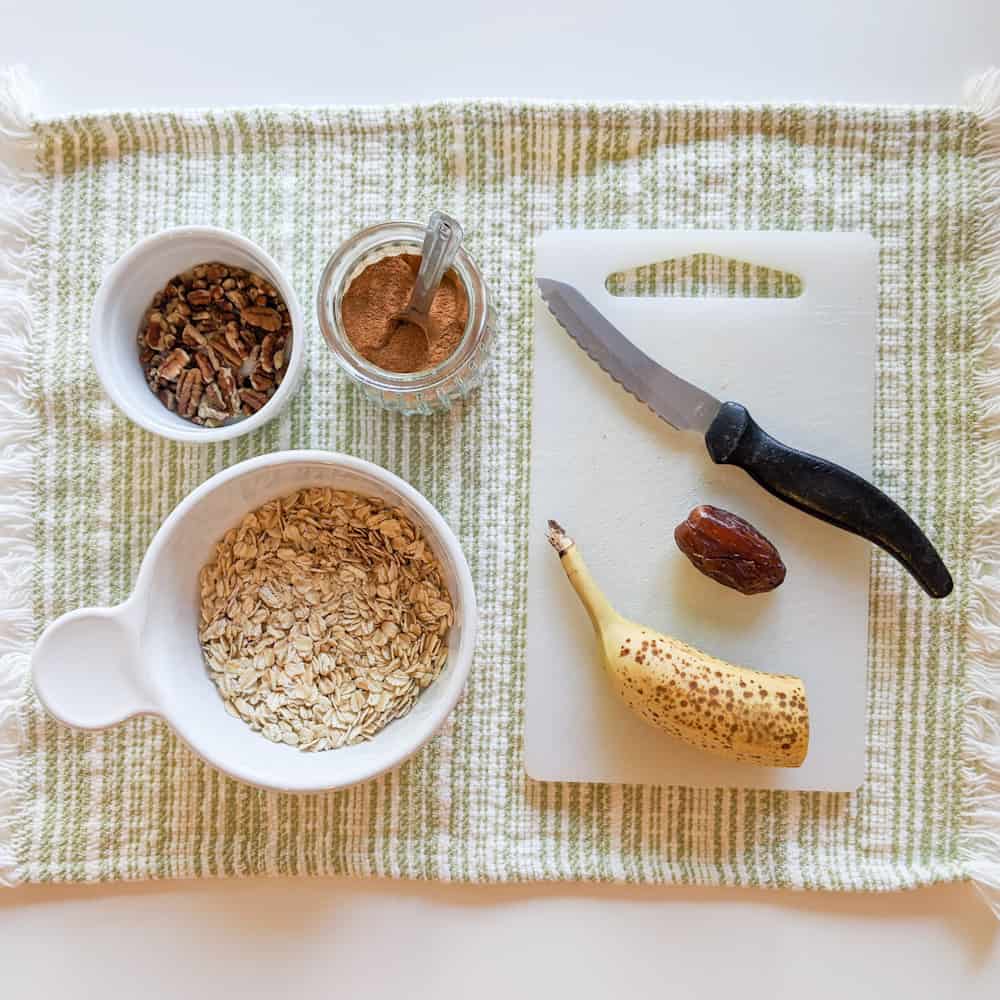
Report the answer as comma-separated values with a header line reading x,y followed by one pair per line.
x,y
981,732
19,206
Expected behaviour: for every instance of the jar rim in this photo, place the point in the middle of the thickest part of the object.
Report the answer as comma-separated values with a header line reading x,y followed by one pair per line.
x,y
348,260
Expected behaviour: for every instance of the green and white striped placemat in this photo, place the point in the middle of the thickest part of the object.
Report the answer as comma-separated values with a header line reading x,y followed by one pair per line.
x,y
82,491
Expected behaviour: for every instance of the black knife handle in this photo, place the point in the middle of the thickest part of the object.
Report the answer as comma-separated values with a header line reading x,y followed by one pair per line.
x,y
826,491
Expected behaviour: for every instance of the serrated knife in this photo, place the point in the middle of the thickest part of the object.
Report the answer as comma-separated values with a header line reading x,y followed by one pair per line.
x,y
814,485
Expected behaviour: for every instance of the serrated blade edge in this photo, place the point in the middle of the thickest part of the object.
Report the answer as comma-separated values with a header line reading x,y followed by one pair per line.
x,y
673,399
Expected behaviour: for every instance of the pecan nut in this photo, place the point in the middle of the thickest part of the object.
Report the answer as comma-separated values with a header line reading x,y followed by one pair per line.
x,y
158,339
213,398
189,390
173,364
204,365
267,353
223,349
192,337
252,398
227,386
263,317
261,381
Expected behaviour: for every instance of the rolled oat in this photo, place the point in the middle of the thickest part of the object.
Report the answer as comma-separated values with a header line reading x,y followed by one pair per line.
x,y
324,614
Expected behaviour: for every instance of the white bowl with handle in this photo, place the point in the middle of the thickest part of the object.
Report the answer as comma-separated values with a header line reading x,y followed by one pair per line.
x,y
96,667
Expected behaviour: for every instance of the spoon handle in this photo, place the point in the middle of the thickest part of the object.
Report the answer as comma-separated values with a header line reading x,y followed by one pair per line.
x,y
441,243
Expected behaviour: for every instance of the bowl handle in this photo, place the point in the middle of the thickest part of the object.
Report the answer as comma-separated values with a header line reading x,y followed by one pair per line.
x,y
86,667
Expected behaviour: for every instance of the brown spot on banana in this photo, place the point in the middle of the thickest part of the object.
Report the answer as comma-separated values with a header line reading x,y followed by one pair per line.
x,y
733,711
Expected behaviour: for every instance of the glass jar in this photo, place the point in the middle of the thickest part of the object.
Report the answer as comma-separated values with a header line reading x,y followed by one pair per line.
x,y
422,391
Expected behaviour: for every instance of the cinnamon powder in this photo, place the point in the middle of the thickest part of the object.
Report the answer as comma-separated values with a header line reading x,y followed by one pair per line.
x,y
379,293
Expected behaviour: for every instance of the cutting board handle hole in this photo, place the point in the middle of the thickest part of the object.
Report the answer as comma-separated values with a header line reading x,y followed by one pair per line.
x,y
704,275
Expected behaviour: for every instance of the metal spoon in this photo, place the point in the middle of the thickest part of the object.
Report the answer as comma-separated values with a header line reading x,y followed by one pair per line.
x,y
441,244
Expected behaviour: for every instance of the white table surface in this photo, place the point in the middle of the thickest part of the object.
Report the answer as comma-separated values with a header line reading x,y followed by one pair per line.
x,y
287,937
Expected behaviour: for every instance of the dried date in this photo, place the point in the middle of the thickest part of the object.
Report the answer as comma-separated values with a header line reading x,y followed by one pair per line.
x,y
729,550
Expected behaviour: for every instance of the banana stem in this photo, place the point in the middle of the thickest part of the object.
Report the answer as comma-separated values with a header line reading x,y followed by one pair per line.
x,y
602,614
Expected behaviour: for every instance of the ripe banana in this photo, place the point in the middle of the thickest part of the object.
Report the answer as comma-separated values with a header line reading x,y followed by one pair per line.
x,y
735,712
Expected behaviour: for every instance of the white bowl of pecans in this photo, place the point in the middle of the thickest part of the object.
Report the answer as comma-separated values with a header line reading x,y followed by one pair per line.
x,y
197,335
304,620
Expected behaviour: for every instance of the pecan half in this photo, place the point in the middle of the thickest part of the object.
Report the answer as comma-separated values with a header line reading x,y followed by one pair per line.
x,y
227,386
213,398
263,317
205,365
267,353
233,339
213,358
261,381
192,337
226,352
174,363
253,399
158,338
189,390
209,416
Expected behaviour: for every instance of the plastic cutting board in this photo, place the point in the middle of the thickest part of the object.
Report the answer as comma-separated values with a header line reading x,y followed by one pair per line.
x,y
619,480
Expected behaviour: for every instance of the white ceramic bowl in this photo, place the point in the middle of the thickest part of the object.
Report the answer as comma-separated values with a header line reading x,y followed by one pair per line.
x,y
95,667
125,295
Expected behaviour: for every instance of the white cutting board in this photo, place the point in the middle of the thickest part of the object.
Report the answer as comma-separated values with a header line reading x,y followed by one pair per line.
x,y
619,480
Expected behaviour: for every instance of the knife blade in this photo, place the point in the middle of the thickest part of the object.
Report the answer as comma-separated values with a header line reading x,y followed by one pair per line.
x,y
814,485
683,405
